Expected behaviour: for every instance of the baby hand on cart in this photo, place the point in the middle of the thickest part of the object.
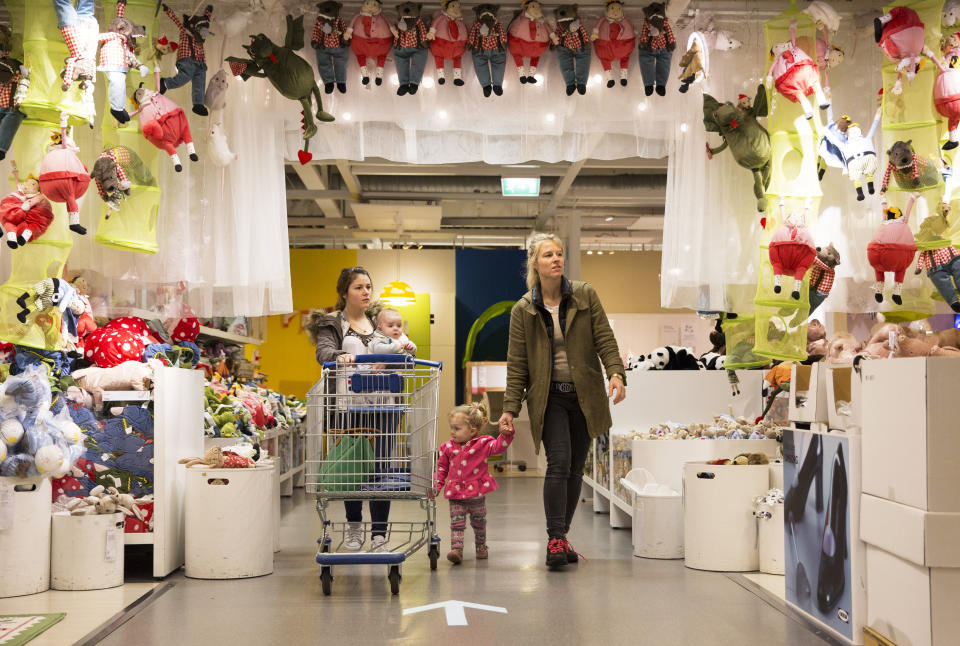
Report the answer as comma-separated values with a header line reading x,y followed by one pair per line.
x,y
346,357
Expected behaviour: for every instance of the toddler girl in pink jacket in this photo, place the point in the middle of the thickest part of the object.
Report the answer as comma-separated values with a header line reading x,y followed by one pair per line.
x,y
463,477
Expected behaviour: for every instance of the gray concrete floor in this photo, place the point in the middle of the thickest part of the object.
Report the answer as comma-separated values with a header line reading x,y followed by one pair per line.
x,y
612,598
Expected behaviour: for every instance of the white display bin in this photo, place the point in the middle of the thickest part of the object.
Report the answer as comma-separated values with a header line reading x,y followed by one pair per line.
x,y
912,436
770,541
844,398
665,458
657,517
229,522
86,552
808,394
25,507
720,531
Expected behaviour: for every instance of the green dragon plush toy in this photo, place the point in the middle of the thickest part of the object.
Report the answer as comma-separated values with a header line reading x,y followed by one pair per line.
x,y
289,73
747,139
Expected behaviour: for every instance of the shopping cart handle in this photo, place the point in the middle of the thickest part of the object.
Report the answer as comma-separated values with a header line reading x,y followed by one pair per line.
x,y
389,360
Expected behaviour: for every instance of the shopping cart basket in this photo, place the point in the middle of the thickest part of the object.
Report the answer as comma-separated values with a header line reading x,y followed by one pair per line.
x,y
372,435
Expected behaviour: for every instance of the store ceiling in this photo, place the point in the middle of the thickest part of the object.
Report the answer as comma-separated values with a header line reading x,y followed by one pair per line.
x,y
376,203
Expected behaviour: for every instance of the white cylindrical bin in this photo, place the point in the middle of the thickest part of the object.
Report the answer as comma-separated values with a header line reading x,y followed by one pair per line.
x,y
658,525
275,503
770,540
86,552
228,521
25,507
720,531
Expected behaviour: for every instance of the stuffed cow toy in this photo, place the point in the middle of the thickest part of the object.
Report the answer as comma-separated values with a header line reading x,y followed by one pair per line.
x,y
791,250
900,35
891,250
613,40
487,41
410,47
655,48
191,60
573,48
528,37
332,51
448,40
371,39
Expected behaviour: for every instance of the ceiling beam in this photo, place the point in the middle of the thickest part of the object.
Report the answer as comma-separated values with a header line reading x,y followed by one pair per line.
x,y
310,176
598,197
349,179
559,192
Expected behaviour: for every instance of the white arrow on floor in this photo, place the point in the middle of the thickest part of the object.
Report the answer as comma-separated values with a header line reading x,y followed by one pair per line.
x,y
454,610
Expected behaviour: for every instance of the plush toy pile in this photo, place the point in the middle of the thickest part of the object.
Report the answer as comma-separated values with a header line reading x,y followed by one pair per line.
x,y
247,411
723,427
102,500
743,459
674,357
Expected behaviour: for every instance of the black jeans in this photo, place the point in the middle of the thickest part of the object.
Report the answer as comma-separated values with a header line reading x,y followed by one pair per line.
x,y
379,512
566,442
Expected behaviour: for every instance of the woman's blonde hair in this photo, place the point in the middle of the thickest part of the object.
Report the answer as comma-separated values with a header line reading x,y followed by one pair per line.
x,y
533,252
475,413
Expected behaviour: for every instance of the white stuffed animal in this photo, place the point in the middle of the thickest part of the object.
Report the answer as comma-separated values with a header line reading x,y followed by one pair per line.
x,y
951,13
219,150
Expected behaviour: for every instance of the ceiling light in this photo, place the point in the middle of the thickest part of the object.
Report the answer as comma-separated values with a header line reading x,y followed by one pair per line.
x,y
395,79
550,117
609,218
589,252
346,116
398,293
427,82
611,253
600,253
520,186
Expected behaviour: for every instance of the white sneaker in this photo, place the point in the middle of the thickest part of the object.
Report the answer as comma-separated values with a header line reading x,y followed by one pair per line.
x,y
378,544
353,539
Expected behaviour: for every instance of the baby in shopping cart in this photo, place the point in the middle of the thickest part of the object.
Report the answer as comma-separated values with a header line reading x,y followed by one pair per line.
x,y
463,477
389,337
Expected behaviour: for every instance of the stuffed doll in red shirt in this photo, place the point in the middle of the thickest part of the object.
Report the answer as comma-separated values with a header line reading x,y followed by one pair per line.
x,y
528,38
371,38
614,39
448,40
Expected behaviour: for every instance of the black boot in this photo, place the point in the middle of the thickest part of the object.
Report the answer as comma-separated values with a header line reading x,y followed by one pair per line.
x,y
378,81
795,295
571,89
413,87
623,82
955,306
194,157
402,90
879,297
661,90
556,553
21,241
870,188
860,196
821,172
897,299
13,244
582,89
342,88
795,502
441,81
486,90
531,79
877,29
611,83
200,109
498,90
366,80
833,547
776,289
458,82
523,79
328,88
950,145
120,115
163,86
684,87
648,90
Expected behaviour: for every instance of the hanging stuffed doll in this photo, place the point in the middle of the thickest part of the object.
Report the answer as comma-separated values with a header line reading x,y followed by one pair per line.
x,y
332,51
528,37
488,44
796,75
448,40
370,39
655,48
50,293
748,140
113,172
191,61
844,141
410,47
822,274
81,31
892,249
614,39
827,22
694,62
117,58
946,88
792,250
900,35
25,213
163,123
573,48
13,87
63,177
909,170
939,257
85,322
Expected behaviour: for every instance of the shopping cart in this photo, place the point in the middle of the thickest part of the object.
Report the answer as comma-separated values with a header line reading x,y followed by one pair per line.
x,y
372,435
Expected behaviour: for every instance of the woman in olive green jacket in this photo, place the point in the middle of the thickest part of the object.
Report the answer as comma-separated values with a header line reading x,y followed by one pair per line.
x,y
559,334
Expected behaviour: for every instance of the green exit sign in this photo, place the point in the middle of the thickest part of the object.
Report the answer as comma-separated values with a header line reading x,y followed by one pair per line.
x,y
520,186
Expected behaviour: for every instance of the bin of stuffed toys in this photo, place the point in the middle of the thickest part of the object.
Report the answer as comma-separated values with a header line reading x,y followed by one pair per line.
x,y
24,536
768,510
719,529
229,522
87,551
657,517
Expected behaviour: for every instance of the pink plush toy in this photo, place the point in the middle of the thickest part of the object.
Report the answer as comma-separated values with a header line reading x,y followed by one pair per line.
x,y
528,37
892,249
796,75
371,38
25,213
946,90
613,40
163,123
448,40
63,177
791,250
900,36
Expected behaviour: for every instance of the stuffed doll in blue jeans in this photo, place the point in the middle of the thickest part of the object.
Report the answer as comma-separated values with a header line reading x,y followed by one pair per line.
x,y
939,258
655,48
573,48
13,84
333,52
191,60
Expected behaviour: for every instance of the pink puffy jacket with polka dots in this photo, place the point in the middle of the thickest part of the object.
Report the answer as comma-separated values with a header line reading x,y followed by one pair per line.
x,y
462,468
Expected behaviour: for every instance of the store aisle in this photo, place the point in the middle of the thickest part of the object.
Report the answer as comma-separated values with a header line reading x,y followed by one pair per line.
x,y
613,598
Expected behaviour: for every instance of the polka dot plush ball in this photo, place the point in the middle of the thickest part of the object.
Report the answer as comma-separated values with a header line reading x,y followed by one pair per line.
x,y
186,329
109,347
134,325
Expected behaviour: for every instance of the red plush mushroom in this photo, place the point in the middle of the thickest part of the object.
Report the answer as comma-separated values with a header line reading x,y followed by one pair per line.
x,y
111,346
184,329
134,325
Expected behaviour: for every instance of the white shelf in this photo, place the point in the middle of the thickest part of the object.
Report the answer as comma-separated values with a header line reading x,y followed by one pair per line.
x,y
627,508
286,475
127,395
227,336
138,539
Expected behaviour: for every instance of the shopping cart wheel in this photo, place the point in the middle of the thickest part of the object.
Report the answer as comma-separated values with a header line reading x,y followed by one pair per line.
x,y
394,578
326,579
434,553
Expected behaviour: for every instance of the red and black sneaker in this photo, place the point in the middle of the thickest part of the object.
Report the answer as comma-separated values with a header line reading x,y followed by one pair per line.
x,y
556,553
572,555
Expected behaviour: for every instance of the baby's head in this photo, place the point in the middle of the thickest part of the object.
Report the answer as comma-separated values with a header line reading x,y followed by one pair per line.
x,y
30,186
466,421
390,323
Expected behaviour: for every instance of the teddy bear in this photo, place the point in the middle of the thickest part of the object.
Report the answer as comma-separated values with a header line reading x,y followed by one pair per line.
x,y
795,75
488,41
692,62
816,340
791,250
655,48
909,170
938,257
748,140
528,37
900,36
191,60
573,48
25,213
613,40
946,88
448,40
163,123
822,274
892,249
117,58
950,16
410,47
371,39
63,177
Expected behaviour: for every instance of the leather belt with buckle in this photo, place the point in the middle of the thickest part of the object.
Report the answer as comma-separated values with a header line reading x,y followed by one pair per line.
x,y
562,387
